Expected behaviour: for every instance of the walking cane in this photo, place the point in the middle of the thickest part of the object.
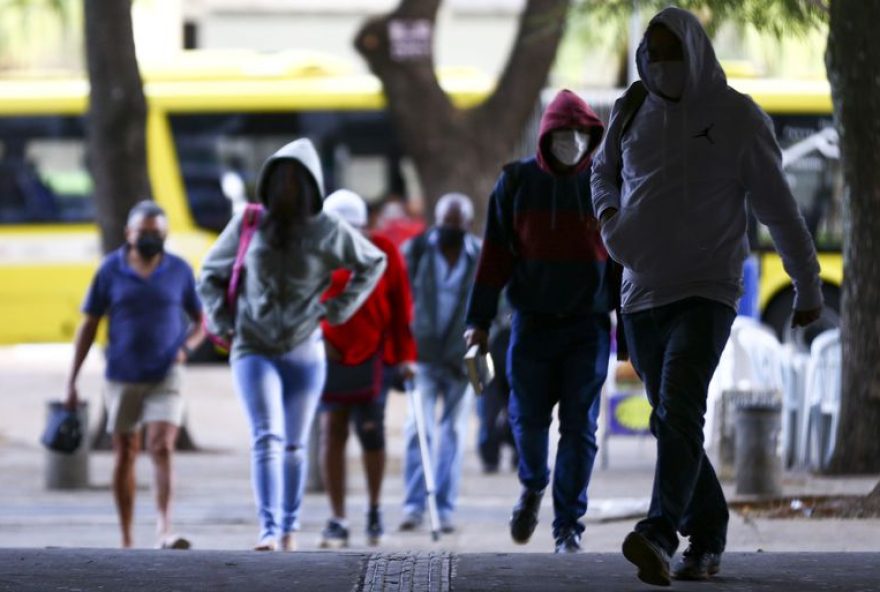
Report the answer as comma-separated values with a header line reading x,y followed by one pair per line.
x,y
415,399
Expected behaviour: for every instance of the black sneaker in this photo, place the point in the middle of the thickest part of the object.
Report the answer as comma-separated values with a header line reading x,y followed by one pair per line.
x,y
525,516
649,557
375,530
334,535
696,564
568,541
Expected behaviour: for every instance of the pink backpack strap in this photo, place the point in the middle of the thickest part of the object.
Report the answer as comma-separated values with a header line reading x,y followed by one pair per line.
x,y
249,223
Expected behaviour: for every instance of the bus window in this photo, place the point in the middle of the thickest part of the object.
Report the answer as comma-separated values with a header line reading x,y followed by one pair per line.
x,y
220,154
811,162
43,174
365,175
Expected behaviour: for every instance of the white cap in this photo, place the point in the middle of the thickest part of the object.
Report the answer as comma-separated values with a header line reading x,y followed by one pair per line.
x,y
349,206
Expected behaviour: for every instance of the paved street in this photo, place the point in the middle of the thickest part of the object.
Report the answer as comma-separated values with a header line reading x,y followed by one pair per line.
x,y
214,508
220,571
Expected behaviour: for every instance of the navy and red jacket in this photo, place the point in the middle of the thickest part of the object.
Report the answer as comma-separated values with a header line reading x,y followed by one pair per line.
x,y
542,240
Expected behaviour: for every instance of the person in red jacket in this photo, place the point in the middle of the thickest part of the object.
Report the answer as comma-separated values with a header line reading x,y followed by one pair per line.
x,y
378,336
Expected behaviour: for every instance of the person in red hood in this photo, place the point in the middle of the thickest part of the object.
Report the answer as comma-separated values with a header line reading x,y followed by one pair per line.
x,y
542,245
377,335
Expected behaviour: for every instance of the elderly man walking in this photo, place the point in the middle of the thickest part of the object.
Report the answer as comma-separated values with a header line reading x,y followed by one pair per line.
x,y
442,263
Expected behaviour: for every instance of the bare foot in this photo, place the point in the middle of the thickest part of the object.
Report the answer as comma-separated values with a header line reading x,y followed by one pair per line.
x,y
288,541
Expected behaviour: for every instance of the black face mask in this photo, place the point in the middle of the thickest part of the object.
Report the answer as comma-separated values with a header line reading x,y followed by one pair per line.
x,y
449,237
150,245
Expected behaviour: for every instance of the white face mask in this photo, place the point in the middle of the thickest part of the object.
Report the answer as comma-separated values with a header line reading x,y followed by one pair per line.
x,y
668,77
568,146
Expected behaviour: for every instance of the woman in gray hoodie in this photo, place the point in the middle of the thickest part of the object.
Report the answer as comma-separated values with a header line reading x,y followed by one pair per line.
x,y
277,354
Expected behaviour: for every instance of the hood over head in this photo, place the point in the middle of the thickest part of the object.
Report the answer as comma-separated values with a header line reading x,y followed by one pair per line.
x,y
301,151
703,72
568,111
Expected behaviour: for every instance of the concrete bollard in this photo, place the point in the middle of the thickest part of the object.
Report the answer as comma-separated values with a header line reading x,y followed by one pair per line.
x,y
69,471
723,440
758,463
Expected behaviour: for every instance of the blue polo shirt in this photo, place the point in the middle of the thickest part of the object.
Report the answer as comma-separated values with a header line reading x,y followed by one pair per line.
x,y
148,318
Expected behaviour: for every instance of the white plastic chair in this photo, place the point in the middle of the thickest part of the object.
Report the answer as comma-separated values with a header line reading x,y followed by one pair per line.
x,y
733,371
794,401
822,414
752,359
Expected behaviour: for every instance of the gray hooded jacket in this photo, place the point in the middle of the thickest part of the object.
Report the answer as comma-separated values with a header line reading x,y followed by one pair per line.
x,y
688,168
279,303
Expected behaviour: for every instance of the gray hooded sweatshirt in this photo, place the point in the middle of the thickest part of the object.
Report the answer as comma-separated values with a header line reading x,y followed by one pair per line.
x,y
688,170
279,303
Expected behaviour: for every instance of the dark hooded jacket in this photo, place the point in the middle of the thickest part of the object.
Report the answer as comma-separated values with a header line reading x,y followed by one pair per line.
x,y
681,178
542,240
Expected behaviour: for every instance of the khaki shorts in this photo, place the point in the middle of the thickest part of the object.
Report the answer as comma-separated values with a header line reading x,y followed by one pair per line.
x,y
131,404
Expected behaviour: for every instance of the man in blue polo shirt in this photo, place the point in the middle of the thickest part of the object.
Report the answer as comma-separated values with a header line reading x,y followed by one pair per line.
x,y
154,317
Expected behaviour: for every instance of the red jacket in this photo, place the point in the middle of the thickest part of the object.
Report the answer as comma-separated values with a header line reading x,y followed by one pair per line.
x,y
384,319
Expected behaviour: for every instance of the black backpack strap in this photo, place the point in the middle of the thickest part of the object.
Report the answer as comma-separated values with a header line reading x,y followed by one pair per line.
x,y
631,102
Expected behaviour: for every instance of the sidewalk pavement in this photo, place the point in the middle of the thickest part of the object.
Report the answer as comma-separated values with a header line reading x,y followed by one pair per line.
x,y
214,507
26,570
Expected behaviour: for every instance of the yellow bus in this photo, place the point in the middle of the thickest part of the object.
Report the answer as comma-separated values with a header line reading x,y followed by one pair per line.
x,y
212,119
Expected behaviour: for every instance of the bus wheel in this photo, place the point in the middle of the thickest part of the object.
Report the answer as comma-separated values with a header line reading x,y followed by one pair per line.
x,y
779,311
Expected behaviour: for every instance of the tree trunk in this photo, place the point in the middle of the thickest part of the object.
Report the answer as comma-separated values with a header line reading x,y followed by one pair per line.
x,y
116,135
458,149
116,129
853,63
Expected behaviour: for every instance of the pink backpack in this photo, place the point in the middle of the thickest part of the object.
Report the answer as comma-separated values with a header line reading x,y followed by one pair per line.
x,y
249,224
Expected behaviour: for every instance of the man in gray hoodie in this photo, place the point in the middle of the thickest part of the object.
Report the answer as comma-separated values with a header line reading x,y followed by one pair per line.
x,y
671,194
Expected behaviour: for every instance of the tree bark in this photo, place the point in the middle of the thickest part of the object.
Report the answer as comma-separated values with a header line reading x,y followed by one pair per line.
x,y
853,64
461,149
116,135
116,128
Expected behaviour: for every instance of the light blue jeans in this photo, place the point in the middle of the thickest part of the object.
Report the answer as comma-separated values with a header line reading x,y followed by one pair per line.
x,y
437,383
280,395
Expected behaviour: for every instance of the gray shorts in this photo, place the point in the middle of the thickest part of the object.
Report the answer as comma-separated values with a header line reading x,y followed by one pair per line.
x,y
132,404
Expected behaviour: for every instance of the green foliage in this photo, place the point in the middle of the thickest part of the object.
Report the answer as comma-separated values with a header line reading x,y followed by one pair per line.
x,y
777,17
60,8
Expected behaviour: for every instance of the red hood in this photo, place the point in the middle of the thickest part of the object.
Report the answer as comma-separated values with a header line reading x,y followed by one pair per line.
x,y
568,111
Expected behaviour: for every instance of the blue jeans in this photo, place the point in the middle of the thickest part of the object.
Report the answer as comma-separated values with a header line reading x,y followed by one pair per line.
x,y
280,395
563,361
675,349
446,439
492,405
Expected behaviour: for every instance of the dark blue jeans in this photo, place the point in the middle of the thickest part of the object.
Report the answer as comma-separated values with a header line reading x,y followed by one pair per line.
x,y
492,405
675,349
561,361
